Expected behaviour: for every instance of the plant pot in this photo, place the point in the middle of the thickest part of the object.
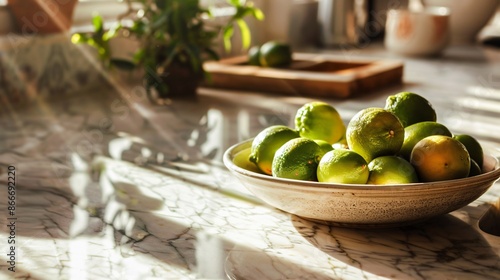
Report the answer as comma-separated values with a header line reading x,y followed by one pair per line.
x,y
178,81
42,16
122,50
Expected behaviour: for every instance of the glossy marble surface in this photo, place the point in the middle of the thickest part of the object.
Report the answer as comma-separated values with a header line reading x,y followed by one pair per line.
x,y
110,186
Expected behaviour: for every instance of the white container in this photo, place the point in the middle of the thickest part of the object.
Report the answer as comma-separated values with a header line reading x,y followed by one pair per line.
x,y
417,33
468,17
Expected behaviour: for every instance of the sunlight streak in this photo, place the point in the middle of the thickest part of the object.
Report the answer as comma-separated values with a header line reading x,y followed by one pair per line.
x,y
77,254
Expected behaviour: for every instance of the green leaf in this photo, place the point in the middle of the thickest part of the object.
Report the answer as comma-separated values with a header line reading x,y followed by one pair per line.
x,y
98,23
79,38
138,28
234,2
112,32
245,33
228,34
194,58
139,55
161,20
258,14
172,52
172,31
212,54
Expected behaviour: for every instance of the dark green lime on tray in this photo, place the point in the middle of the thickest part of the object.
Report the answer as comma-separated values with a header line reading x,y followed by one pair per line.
x,y
253,56
275,54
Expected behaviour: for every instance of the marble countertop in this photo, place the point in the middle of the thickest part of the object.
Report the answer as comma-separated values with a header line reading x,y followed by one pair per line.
x,y
109,186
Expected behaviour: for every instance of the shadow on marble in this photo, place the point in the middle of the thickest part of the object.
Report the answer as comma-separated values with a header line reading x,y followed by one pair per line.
x,y
490,221
442,247
243,262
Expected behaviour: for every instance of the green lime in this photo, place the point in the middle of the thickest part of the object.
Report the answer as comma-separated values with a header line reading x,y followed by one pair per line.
x,y
417,132
344,167
265,144
386,170
410,108
275,54
340,145
375,132
297,159
474,168
473,147
325,146
242,159
319,120
253,56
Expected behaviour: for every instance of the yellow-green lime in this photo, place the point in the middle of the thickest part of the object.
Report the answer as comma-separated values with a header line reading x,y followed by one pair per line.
x,y
253,56
343,139
275,54
265,144
325,146
297,159
417,132
473,147
343,167
440,157
375,132
391,170
410,108
242,159
340,145
319,120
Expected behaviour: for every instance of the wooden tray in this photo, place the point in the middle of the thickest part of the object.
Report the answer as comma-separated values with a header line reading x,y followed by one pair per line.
x,y
308,75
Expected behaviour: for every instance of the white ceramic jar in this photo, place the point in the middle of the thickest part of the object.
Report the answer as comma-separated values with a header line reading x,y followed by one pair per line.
x,y
417,33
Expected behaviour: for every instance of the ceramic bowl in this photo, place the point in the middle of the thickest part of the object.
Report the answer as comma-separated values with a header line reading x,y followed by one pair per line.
x,y
468,17
363,205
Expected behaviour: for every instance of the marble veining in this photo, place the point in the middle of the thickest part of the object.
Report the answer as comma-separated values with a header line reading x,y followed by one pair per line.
x,y
110,186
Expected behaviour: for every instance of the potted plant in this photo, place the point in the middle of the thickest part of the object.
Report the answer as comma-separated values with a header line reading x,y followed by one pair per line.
x,y
175,38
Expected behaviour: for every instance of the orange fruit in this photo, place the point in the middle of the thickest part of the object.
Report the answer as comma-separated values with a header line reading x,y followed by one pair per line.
x,y
440,157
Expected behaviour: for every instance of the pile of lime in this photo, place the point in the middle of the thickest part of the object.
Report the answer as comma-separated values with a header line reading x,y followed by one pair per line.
x,y
270,54
398,144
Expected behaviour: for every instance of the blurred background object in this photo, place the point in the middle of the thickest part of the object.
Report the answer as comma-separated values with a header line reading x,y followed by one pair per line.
x,y
42,16
291,21
468,17
303,30
490,35
108,10
6,19
419,32
342,21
